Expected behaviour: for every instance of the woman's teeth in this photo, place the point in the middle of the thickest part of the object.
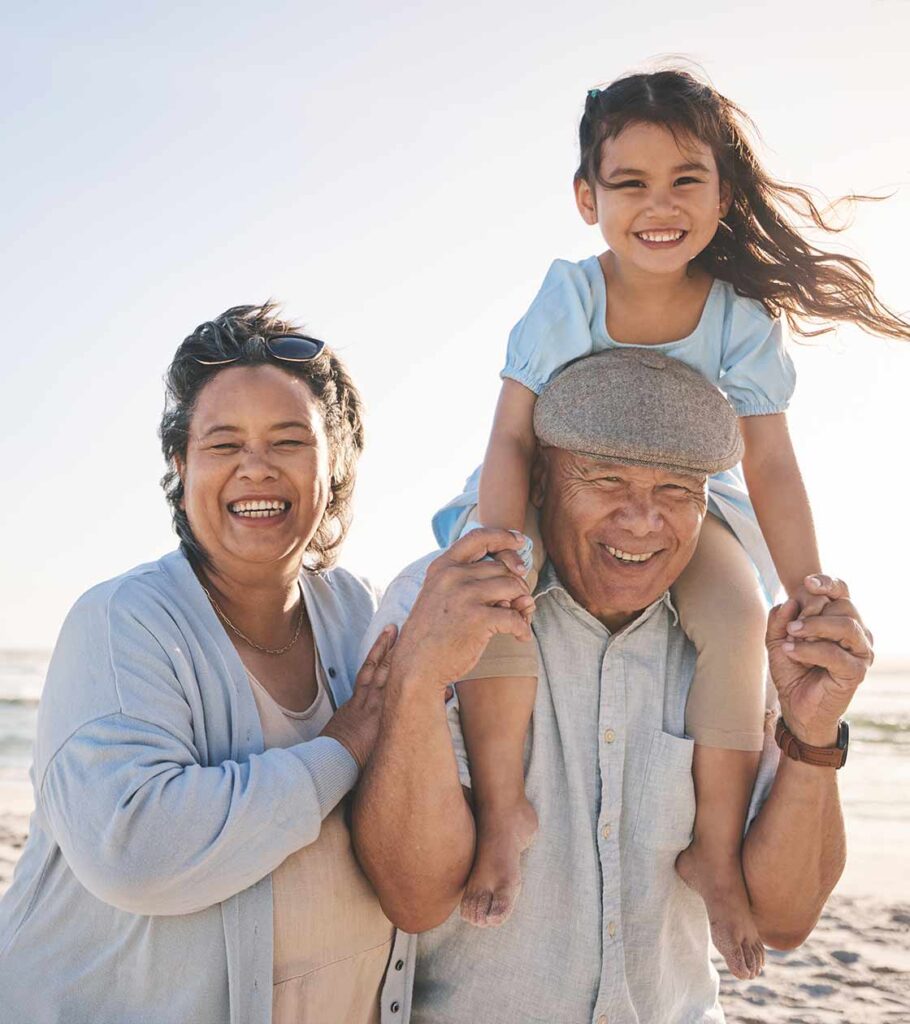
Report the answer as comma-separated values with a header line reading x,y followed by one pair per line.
x,y
661,236
259,509
627,556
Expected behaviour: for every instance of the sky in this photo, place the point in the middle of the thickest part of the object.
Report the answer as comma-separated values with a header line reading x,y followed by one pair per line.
x,y
400,179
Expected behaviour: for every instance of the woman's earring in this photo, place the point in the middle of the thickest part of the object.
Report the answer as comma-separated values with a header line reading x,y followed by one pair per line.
x,y
724,224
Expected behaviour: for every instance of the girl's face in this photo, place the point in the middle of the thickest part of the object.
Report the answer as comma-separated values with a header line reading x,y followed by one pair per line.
x,y
662,202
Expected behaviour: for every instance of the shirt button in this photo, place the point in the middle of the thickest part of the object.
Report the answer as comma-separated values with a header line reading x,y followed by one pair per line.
x,y
605,831
399,964
332,673
611,928
395,1007
609,736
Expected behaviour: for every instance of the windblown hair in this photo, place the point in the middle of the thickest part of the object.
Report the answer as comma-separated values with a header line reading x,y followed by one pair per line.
x,y
756,247
239,334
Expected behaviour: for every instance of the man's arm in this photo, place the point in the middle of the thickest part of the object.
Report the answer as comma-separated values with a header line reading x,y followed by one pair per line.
x,y
413,829
795,850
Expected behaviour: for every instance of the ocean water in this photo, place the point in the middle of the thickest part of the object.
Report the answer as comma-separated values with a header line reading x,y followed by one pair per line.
x,y
21,679
874,785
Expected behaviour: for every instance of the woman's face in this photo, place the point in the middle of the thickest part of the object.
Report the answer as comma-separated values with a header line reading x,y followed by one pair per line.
x,y
663,200
258,469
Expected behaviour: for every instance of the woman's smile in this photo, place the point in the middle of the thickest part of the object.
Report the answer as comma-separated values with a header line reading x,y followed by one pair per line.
x,y
259,511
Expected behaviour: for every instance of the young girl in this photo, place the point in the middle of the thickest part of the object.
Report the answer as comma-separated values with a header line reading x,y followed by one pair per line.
x,y
703,263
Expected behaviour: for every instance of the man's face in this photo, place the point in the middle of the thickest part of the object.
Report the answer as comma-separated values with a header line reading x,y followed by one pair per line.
x,y
618,536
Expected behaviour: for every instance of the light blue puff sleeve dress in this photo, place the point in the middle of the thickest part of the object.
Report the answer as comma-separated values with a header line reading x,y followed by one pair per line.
x,y
736,345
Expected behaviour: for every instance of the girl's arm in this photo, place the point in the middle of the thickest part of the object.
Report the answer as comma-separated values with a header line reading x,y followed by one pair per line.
x,y
505,479
779,498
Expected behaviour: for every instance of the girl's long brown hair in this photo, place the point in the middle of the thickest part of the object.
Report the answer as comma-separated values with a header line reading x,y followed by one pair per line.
x,y
756,247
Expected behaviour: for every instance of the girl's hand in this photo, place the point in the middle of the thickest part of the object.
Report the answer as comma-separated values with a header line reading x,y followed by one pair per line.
x,y
524,604
356,724
812,596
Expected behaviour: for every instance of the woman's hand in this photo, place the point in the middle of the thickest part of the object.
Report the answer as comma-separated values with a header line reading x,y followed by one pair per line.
x,y
356,724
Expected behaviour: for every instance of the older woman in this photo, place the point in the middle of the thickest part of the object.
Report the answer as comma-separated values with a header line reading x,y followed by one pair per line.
x,y
189,859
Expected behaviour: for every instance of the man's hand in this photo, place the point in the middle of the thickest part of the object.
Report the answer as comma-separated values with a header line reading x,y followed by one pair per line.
x,y
818,661
458,609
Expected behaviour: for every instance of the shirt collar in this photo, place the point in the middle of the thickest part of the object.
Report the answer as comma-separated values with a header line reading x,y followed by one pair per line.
x,y
549,583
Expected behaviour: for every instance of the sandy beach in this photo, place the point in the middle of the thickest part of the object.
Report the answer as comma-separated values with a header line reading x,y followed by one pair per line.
x,y
853,969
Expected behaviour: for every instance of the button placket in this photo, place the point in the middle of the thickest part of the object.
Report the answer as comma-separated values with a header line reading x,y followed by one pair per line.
x,y
612,762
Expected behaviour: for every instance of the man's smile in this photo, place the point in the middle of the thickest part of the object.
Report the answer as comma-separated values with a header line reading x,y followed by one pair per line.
x,y
631,557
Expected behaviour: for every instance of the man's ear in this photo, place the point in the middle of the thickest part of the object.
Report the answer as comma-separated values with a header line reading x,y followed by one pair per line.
x,y
539,471
586,202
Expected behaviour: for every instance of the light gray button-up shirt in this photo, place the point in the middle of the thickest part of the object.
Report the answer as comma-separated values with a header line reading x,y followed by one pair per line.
x,y
604,930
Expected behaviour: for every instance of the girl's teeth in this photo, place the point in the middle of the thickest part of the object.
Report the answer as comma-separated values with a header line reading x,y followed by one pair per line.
x,y
661,236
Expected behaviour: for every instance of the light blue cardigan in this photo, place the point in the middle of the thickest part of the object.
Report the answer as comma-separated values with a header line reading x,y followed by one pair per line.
x,y
144,891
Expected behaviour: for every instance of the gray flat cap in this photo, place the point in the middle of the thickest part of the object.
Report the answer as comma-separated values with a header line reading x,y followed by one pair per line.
x,y
639,408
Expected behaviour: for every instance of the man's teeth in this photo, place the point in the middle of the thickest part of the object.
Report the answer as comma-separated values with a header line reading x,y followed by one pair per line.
x,y
627,556
661,236
258,509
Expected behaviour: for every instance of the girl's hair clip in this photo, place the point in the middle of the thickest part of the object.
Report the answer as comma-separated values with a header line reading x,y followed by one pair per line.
x,y
593,94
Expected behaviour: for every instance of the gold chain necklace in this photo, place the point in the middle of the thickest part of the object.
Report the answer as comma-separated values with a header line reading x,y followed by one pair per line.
x,y
252,643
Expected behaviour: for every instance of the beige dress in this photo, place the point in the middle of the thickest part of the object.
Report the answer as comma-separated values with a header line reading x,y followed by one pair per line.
x,y
332,941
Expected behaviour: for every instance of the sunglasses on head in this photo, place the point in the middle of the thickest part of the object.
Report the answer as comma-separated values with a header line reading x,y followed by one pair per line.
x,y
290,348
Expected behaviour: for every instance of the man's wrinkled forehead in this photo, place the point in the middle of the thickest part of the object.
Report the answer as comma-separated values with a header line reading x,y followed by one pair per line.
x,y
598,465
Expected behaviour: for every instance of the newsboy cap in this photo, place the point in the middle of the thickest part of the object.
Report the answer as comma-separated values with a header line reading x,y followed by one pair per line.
x,y
639,408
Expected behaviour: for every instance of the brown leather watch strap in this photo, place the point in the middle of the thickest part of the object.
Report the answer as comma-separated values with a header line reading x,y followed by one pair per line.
x,y
824,757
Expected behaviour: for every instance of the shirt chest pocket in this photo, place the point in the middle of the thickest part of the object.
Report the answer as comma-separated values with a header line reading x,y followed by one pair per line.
x,y
666,809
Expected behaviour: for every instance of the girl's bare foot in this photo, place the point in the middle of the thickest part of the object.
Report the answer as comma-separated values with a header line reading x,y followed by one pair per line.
x,y
503,834
718,879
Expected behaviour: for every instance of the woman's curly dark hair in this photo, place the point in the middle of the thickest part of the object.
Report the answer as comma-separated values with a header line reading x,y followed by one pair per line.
x,y
756,248
239,335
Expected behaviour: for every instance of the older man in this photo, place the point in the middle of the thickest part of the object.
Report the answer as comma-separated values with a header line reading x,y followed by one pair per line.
x,y
604,931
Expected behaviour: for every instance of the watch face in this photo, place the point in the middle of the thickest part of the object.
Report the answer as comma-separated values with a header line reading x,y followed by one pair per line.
x,y
843,741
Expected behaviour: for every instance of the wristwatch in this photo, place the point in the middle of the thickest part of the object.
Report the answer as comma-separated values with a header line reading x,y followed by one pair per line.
x,y
824,757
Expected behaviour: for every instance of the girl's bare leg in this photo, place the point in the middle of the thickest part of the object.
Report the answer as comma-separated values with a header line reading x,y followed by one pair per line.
x,y
712,865
495,714
723,613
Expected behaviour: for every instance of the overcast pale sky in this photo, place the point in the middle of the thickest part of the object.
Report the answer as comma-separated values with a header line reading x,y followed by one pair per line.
x,y
400,179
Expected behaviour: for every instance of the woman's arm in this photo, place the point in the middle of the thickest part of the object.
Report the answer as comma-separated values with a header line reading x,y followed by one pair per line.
x,y
779,498
505,479
142,820
148,829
